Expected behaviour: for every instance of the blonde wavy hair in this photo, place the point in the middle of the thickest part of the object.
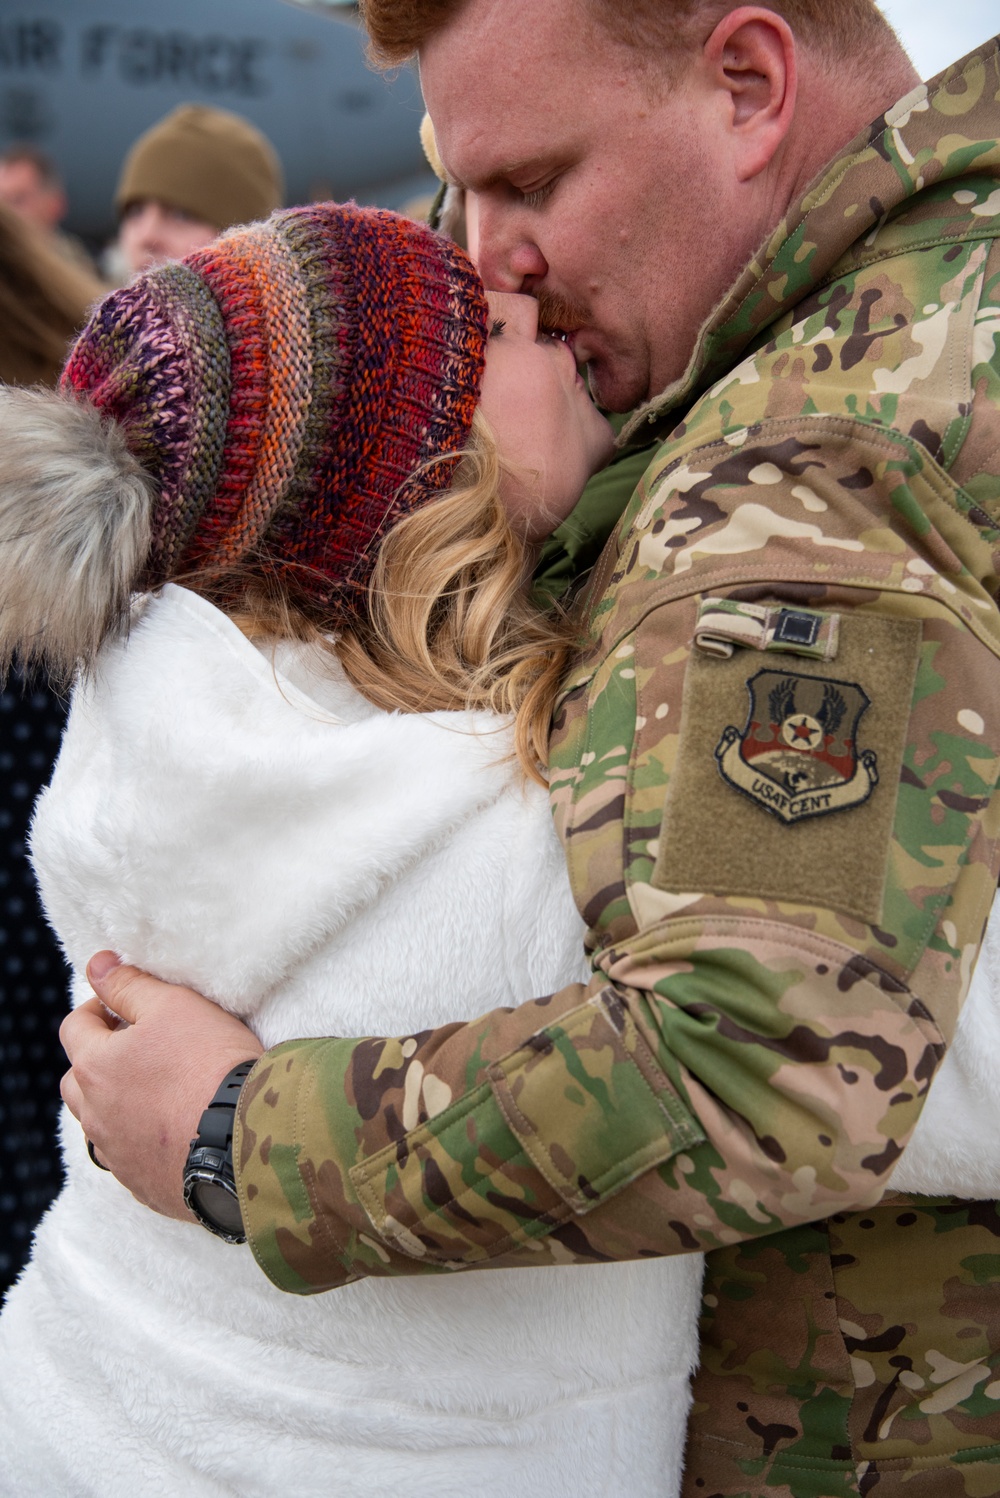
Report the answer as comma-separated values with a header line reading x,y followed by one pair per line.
x,y
450,623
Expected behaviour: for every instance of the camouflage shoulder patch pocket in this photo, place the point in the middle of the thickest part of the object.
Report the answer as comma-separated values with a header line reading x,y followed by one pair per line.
x,y
788,766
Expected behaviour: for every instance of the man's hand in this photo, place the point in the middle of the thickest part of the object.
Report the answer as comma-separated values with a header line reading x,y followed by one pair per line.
x,y
139,1088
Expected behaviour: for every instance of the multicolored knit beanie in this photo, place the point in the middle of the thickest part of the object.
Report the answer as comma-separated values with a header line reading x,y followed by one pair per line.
x,y
283,386
270,405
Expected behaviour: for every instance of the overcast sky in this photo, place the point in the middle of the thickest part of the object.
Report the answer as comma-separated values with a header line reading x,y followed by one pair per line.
x,y
936,32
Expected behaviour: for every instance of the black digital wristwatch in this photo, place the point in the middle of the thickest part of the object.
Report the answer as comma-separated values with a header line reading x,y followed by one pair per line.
x,y
209,1178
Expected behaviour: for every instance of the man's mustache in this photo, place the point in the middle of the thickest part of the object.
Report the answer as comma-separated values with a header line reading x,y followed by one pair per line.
x,y
558,313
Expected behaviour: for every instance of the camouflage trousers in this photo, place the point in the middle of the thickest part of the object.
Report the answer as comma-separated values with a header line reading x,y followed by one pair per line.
x,y
857,1356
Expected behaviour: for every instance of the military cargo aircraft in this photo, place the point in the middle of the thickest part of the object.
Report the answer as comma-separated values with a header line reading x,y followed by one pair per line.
x,y
82,78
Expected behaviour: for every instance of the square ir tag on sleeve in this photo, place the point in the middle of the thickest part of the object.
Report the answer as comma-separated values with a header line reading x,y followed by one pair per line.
x,y
797,628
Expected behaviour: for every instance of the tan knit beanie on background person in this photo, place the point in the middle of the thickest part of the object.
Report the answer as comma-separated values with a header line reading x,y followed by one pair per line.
x,y
210,163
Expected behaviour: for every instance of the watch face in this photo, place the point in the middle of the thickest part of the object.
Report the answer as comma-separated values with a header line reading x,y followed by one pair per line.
x,y
220,1206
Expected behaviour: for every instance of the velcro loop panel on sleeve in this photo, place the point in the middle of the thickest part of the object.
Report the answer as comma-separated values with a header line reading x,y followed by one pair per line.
x,y
589,1105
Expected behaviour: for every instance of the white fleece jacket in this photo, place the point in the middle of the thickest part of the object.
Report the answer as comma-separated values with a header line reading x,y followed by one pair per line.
x,y
955,1148
251,826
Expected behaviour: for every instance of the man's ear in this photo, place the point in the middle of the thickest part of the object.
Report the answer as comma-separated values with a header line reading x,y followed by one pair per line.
x,y
752,60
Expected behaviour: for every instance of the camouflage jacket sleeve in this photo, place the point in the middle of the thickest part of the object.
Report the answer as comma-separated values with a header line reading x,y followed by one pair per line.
x,y
774,773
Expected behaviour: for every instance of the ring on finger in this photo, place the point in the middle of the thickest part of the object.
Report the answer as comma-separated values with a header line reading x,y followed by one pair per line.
x,y
93,1155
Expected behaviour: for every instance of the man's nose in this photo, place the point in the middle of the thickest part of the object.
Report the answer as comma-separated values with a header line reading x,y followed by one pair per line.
x,y
509,259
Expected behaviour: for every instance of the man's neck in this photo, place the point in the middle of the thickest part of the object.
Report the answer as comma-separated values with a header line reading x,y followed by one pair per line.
x,y
835,106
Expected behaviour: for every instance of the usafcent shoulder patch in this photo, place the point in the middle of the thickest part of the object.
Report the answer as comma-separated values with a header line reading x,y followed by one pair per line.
x,y
798,754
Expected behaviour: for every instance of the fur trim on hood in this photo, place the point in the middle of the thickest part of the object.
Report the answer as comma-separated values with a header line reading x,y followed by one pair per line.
x,y
75,509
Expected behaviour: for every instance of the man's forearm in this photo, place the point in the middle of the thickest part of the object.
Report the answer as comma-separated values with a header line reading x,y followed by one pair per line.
x,y
573,1132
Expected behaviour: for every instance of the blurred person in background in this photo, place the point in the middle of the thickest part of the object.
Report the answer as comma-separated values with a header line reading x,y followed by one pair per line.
x,y
44,300
31,186
195,173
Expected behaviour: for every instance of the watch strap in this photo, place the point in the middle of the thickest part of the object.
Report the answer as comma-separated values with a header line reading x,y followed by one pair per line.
x,y
215,1128
210,1157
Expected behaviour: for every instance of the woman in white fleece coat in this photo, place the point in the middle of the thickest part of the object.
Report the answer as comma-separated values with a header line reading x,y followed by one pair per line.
x,y
230,811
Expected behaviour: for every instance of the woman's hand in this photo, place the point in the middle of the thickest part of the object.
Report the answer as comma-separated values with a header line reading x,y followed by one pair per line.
x,y
145,1060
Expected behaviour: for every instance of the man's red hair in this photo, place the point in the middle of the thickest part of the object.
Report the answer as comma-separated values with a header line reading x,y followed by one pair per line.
x,y
836,29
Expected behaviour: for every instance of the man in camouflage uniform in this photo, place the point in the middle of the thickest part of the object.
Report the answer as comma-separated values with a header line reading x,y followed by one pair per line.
x,y
774,770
